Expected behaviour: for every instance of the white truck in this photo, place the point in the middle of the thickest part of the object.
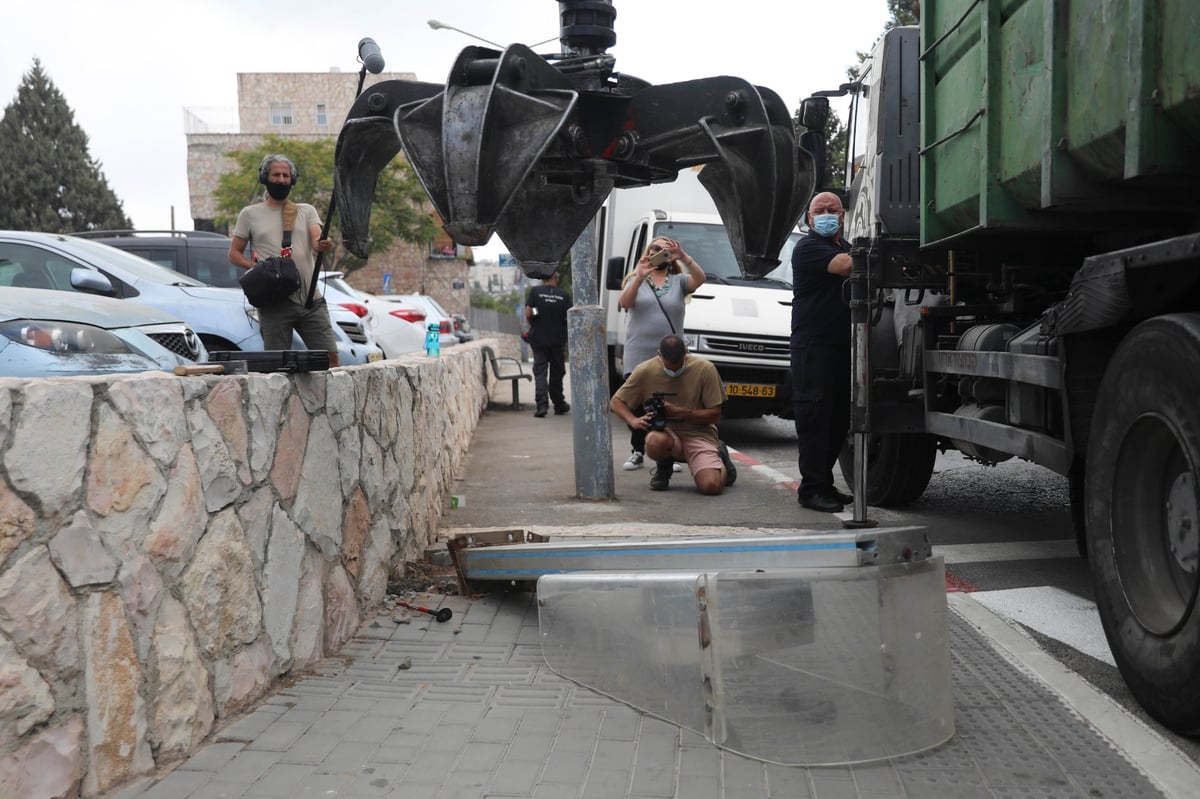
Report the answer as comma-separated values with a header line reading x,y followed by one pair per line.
x,y
741,324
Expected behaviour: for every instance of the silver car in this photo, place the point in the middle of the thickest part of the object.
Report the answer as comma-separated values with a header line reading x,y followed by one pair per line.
x,y
44,334
220,316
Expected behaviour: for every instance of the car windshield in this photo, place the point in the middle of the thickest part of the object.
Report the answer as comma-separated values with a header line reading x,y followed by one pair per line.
x,y
102,255
437,307
709,245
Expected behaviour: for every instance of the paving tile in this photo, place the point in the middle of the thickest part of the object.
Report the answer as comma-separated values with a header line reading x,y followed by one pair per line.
x,y
515,777
487,718
211,757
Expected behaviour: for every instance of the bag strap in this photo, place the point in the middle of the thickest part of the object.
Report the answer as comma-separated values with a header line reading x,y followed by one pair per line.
x,y
289,223
664,310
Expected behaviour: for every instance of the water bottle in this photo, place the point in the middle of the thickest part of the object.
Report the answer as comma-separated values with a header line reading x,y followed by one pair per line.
x,y
433,340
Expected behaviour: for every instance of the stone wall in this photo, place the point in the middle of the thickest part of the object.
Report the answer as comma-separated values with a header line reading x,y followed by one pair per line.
x,y
169,546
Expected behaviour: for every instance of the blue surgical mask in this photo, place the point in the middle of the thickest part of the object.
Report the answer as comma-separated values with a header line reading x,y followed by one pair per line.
x,y
826,224
674,372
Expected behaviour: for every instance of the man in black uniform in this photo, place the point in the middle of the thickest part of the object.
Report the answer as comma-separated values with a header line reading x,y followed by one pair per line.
x,y
546,311
820,350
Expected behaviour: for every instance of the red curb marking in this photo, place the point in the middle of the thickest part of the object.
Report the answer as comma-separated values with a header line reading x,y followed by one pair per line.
x,y
957,585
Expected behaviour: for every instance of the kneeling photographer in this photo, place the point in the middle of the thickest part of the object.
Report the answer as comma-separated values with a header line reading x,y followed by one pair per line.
x,y
682,395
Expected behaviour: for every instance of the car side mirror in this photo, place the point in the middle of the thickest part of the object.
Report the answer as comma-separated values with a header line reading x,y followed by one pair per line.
x,y
814,113
615,273
92,282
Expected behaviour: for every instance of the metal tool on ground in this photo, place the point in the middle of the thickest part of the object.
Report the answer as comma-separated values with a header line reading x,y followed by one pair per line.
x,y
441,614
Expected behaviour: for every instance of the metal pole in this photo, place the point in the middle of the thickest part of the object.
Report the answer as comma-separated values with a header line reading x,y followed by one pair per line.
x,y
594,478
860,376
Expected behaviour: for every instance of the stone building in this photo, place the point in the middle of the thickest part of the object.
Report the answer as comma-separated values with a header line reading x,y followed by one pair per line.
x,y
309,105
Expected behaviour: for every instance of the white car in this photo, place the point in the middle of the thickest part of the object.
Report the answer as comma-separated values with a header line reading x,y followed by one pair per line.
x,y
397,330
433,313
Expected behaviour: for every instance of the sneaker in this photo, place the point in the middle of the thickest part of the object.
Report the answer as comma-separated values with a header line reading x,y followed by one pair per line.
x,y
540,413
660,476
727,462
635,461
561,409
675,467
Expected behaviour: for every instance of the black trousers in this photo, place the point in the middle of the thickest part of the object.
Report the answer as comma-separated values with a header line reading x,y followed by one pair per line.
x,y
547,388
821,402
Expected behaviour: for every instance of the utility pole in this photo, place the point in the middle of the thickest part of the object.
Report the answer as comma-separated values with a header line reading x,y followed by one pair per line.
x,y
594,478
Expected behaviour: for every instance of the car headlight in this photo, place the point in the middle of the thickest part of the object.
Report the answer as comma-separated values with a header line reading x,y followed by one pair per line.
x,y
62,337
692,341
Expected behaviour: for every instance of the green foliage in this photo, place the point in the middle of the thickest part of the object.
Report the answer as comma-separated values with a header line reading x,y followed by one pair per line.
x,y
48,180
398,210
904,12
504,303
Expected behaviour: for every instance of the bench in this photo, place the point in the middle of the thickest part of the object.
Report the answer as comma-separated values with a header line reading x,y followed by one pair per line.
x,y
510,369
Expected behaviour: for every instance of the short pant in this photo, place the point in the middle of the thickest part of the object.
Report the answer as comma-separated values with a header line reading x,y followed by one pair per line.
x,y
698,453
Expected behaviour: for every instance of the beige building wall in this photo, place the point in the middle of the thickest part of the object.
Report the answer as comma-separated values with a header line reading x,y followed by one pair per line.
x,y
310,105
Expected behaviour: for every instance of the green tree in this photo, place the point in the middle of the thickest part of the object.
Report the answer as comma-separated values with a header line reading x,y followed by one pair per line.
x,y
48,181
904,12
399,209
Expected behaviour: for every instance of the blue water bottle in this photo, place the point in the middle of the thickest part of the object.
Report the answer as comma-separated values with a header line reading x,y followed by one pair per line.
x,y
433,340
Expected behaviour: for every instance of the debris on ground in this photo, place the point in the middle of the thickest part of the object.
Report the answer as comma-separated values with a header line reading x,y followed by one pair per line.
x,y
423,577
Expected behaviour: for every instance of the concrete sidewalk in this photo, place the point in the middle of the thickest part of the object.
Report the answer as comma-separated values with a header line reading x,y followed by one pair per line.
x,y
470,710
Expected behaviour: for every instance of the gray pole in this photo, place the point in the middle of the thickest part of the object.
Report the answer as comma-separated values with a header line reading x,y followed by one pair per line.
x,y
594,477
860,377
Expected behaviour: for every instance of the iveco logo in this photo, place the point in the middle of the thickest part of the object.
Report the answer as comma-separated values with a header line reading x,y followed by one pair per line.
x,y
747,347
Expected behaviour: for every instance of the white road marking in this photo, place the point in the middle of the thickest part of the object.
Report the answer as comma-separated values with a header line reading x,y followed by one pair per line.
x,y
1054,613
1007,550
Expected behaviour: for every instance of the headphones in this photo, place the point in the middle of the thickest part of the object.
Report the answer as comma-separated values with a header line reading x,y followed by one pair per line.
x,y
264,168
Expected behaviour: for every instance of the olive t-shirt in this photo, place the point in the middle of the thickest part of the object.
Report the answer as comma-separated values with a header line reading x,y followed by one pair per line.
x,y
262,226
698,387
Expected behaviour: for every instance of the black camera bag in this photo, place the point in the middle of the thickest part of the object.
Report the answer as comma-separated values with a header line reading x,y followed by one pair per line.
x,y
272,280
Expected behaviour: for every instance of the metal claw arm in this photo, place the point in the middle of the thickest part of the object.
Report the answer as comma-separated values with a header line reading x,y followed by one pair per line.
x,y
366,144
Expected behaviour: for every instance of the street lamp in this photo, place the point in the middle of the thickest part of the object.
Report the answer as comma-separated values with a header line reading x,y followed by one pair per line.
x,y
438,25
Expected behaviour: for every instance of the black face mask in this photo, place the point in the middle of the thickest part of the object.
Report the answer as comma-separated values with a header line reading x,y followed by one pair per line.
x,y
279,191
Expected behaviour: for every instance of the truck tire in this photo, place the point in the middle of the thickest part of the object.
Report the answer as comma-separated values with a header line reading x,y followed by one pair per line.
x,y
899,466
1142,513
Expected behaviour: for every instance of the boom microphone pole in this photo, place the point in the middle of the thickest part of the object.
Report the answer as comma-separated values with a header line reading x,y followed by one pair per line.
x,y
372,61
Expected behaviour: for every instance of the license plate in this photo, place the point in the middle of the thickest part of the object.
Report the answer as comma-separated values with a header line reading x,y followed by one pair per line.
x,y
372,357
749,390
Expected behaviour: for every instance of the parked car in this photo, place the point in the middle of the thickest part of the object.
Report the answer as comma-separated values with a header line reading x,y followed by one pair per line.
x,y
462,327
221,317
43,334
196,253
398,329
434,312
204,255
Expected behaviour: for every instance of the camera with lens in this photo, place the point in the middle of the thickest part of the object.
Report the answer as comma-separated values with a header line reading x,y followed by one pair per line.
x,y
656,405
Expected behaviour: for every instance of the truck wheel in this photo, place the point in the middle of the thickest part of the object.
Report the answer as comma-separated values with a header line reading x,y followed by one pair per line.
x,y
1142,513
899,466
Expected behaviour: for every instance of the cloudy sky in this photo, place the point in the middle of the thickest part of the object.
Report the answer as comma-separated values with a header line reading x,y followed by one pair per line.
x,y
129,68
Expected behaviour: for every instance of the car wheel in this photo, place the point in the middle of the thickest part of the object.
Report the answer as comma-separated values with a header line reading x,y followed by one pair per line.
x,y
899,466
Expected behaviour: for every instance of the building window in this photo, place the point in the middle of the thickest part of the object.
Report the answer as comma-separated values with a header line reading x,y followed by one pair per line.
x,y
322,115
281,114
